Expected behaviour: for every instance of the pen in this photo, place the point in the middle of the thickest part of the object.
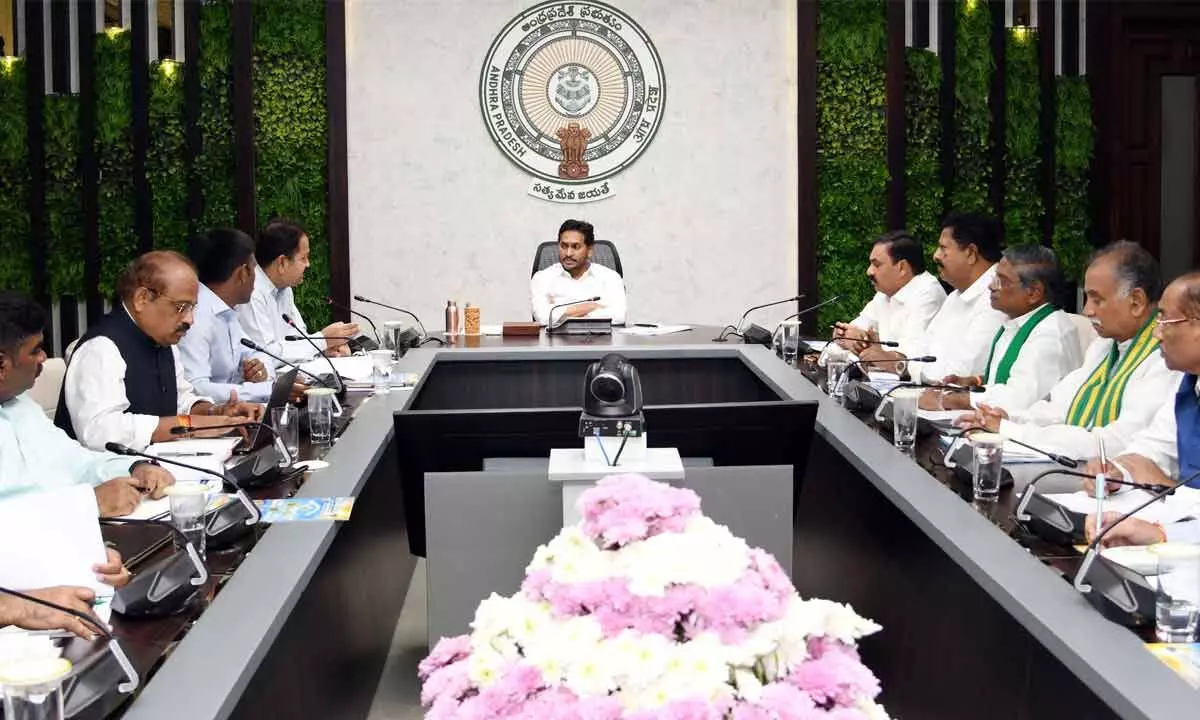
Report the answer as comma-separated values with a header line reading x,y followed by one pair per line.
x,y
651,325
184,454
1101,487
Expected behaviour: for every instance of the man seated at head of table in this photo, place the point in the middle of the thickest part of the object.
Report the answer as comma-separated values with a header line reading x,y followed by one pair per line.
x,y
1168,449
575,277
1123,380
282,253
34,454
214,360
961,332
125,381
906,298
1035,347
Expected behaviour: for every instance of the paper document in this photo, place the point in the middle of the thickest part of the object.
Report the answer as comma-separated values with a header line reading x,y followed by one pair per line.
x,y
219,449
161,508
51,537
649,329
816,345
353,367
1168,510
942,417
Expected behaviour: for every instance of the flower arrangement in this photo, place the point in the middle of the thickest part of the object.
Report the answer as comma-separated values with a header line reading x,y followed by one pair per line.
x,y
649,609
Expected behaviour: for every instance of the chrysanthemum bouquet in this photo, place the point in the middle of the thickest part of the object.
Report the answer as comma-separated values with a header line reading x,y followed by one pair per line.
x,y
648,609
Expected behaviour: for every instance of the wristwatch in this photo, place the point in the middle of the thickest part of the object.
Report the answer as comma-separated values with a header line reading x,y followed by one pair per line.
x,y
901,367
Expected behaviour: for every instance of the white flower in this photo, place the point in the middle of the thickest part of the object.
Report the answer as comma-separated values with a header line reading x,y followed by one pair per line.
x,y
528,620
748,685
640,658
842,623
591,675
872,709
492,618
762,641
485,666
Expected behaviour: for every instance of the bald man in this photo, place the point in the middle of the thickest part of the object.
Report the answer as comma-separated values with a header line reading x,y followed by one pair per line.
x,y
125,381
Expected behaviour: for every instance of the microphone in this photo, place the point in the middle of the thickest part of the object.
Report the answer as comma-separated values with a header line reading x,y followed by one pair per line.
x,y
550,315
255,346
229,522
276,441
735,329
131,677
362,299
318,337
1051,521
352,311
341,388
1119,593
165,587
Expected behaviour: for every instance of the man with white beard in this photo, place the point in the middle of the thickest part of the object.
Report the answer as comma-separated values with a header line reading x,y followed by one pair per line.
x,y
1123,381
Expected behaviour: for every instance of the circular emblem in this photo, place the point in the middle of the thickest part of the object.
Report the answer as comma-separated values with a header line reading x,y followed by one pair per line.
x,y
572,91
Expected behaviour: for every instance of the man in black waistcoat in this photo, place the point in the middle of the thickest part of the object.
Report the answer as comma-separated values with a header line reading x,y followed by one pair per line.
x,y
125,380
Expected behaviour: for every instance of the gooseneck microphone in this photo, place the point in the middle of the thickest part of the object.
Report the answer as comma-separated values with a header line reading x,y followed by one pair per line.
x,y
255,346
287,456
368,301
550,315
352,311
736,329
1063,460
341,388
252,514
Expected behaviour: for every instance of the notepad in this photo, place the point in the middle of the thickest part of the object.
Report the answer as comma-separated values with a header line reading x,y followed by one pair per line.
x,y
219,449
51,537
1167,510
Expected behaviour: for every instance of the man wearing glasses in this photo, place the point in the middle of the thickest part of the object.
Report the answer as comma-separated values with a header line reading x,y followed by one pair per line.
x,y
125,381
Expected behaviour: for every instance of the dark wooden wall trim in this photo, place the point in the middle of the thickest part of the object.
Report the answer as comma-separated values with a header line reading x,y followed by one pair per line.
x,y
60,48
947,45
338,217
139,37
997,101
806,132
35,100
1048,119
193,138
89,171
896,139
243,115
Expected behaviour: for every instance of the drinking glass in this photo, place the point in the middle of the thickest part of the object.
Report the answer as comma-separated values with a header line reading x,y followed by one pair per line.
x,y
1177,592
835,372
988,449
286,422
32,688
323,407
381,362
904,417
790,340
189,500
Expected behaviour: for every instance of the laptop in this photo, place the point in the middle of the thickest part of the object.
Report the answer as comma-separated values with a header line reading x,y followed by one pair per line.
x,y
280,392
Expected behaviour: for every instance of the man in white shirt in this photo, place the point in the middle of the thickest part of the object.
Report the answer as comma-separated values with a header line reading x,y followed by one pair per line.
x,y
214,360
961,333
1123,380
36,455
1135,531
906,298
575,278
1035,347
125,382
1169,447
282,254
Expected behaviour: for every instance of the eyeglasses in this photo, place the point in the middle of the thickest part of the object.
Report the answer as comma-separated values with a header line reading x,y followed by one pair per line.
x,y
182,307
1173,321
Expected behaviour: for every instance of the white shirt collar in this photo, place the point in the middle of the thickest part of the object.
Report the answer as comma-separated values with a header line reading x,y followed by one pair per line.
x,y
567,274
911,288
1017,322
980,286
213,301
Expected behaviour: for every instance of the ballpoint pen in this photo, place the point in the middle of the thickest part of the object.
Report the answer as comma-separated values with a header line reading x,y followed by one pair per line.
x,y
184,454
1101,487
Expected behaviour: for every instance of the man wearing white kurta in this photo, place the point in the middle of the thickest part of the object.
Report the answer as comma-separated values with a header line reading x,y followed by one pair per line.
x,y
1037,345
961,333
576,278
1123,380
906,298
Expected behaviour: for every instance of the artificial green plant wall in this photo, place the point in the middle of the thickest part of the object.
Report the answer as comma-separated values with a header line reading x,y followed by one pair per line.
x,y
973,67
165,158
1072,154
1022,136
923,185
14,178
114,155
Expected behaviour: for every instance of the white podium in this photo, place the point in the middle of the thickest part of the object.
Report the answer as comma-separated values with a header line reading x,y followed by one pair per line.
x,y
577,469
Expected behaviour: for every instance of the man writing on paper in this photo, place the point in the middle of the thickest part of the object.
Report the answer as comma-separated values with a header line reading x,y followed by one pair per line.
x,y
214,360
576,277
282,254
1035,347
1123,380
961,332
906,297
33,453
125,381
1169,447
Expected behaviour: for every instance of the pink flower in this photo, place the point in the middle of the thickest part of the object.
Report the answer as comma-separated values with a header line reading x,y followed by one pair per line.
x,y
689,709
621,509
787,702
449,681
447,651
836,676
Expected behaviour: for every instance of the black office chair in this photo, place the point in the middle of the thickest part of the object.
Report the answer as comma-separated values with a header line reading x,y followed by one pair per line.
x,y
603,252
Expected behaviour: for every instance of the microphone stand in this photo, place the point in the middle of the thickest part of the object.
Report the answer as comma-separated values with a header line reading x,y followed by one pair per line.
x,y
255,346
283,451
165,587
362,299
735,329
356,313
550,315
341,388
114,646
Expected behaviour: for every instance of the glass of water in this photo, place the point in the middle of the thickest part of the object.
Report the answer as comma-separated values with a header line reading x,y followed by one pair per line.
x,y
789,340
32,688
381,362
286,423
904,417
189,500
988,449
1177,592
835,374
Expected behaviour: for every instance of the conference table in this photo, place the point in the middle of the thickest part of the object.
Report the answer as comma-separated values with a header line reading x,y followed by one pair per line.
x,y
977,621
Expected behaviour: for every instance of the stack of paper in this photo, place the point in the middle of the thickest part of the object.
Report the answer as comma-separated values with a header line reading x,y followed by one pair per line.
x,y
650,329
52,537
210,454
354,367
1168,510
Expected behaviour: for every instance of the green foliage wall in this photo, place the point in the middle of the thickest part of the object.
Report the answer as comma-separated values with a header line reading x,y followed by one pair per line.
x,y
64,198
973,67
165,170
1072,155
114,155
214,164
290,132
14,178
851,154
1022,136
923,184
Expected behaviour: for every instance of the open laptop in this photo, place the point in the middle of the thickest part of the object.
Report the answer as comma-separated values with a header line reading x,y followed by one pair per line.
x,y
280,392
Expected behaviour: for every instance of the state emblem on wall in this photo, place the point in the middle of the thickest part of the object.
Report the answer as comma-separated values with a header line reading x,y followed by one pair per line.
x,y
572,92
